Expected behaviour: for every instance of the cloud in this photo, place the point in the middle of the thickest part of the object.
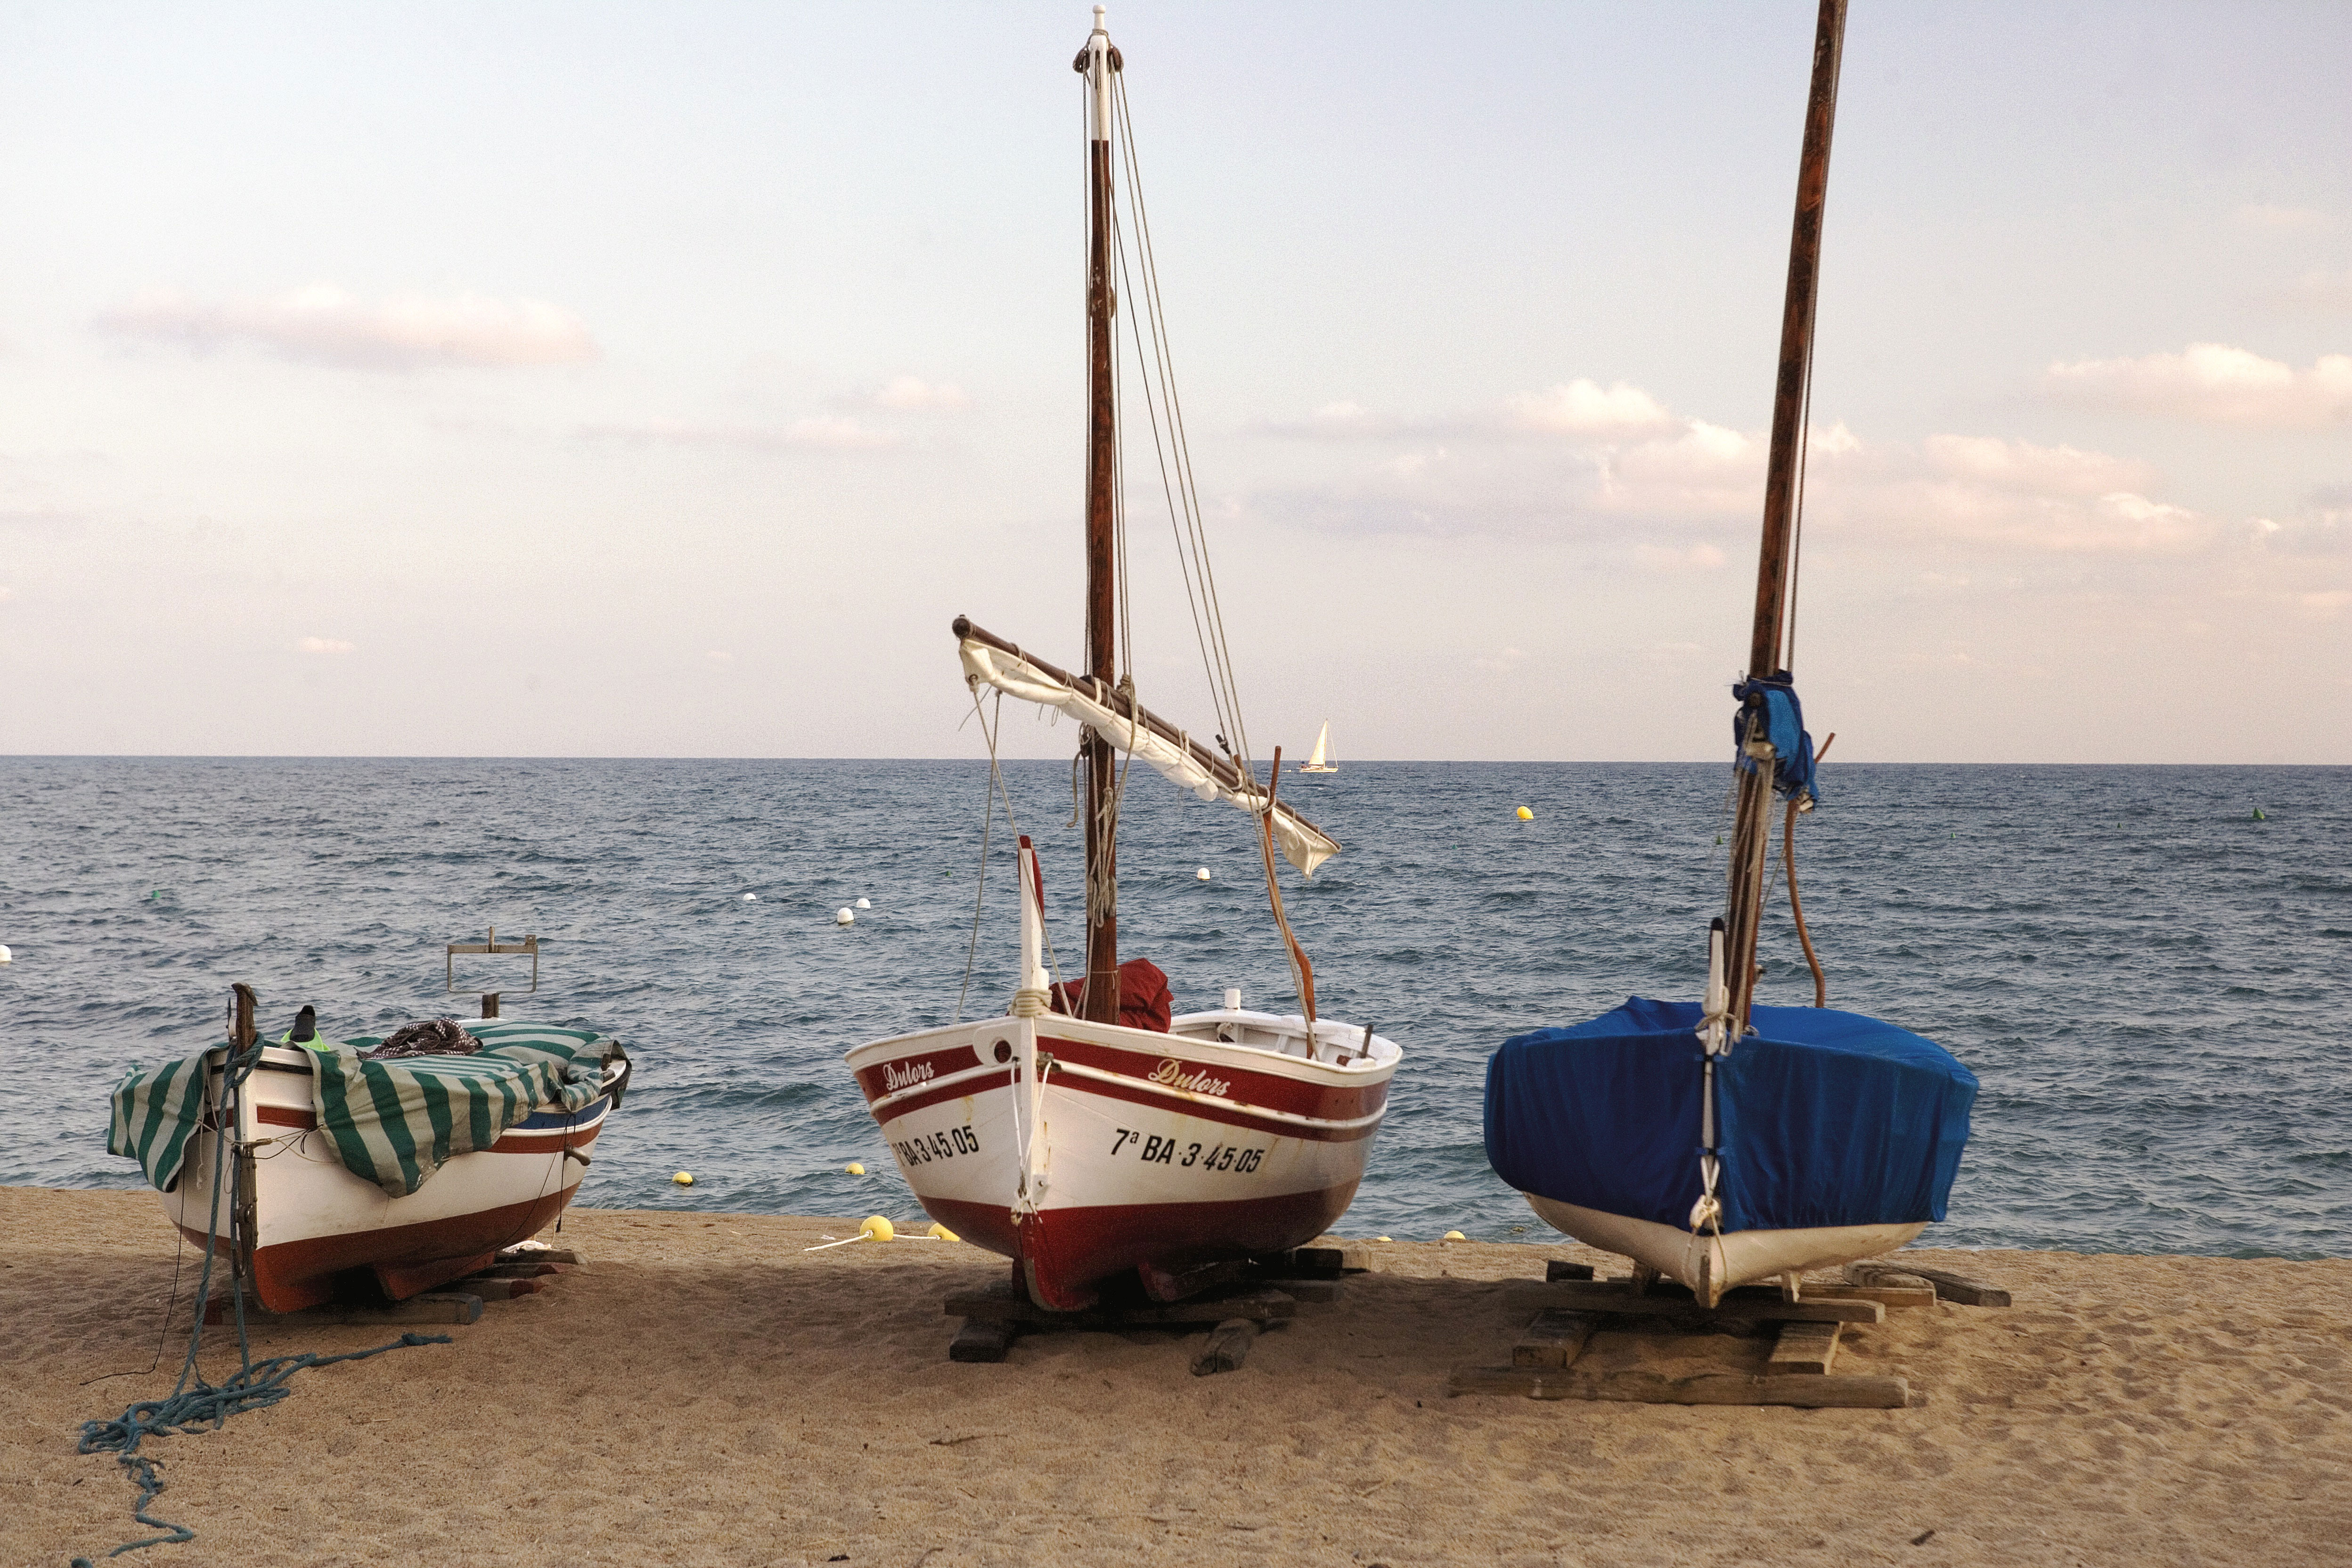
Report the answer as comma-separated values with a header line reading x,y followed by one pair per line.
x,y
2021,465
2317,293
2284,219
1502,663
2323,527
1688,558
330,646
1336,421
719,656
2214,383
324,325
911,393
1582,407
820,434
1662,492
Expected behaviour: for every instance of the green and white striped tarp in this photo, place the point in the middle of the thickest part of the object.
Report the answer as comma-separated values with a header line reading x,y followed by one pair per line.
x,y
390,1122
397,1122
155,1111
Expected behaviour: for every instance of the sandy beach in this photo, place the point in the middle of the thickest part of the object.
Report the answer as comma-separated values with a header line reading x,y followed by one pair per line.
x,y
704,1392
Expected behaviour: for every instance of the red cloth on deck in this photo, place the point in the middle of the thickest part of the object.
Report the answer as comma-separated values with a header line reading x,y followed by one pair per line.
x,y
1144,1000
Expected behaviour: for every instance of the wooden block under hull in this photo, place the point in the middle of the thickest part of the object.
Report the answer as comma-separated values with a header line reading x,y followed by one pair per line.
x,y
1003,1306
1949,1287
983,1340
1662,1301
1804,1349
1804,1392
1554,1339
1814,1290
1229,1344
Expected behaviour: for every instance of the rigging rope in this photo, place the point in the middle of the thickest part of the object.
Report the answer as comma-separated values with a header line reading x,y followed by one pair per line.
x,y
198,1405
1172,446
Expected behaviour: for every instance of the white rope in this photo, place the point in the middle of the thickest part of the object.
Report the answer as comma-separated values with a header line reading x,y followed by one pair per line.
x,y
1053,964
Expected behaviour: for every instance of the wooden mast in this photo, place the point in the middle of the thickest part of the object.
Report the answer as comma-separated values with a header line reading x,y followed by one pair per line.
x,y
1752,826
1098,60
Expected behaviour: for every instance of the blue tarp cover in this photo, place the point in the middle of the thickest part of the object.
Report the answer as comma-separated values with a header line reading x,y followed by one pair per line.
x,y
1824,1118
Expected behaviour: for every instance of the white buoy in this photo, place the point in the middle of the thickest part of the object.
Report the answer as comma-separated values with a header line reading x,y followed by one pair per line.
x,y
5,956
1202,874
844,918
865,903
751,898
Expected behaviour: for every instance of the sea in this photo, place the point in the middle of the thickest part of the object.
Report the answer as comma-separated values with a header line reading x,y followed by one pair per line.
x,y
2148,969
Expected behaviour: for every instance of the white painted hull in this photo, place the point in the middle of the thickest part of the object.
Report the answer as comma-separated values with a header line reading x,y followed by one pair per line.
x,y
1711,1264
312,1220
1084,1151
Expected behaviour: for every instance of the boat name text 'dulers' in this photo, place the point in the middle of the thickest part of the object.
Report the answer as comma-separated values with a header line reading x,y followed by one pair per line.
x,y
1172,1074
916,1072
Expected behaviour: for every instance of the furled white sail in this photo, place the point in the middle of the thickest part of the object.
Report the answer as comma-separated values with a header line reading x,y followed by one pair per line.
x,y
1302,844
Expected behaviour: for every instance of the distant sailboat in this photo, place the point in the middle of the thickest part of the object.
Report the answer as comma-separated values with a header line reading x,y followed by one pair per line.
x,y
1317,762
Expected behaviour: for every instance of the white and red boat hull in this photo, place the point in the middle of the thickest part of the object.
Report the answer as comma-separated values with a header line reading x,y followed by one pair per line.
x,y
310,1220
1089,1151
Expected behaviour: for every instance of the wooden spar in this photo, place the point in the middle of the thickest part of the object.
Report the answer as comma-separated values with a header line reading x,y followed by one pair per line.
x,y
1224,770
1752,826
1100,1002
1305,971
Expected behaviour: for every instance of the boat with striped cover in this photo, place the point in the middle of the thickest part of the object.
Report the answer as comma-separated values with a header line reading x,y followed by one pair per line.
x,y
402,1174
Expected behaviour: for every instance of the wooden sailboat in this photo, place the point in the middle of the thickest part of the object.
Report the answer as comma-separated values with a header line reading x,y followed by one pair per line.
x,y
1088,1134
1723,1142
1319,762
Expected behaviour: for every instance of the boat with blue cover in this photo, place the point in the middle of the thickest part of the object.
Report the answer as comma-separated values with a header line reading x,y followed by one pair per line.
x,y
1721,1142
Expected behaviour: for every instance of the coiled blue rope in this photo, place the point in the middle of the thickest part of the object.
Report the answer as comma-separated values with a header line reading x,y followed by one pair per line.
x,y
195,1404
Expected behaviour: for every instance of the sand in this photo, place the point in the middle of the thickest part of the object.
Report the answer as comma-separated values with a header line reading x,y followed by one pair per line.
x,y
704,1392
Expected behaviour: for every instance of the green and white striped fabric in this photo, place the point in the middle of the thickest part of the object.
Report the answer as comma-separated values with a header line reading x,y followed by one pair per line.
x,y
390,1122
154,1112
397,1122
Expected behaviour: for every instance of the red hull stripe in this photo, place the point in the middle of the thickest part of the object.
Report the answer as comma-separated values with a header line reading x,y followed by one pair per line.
x,y
1071,1251
980,1083
1066,1253
906,1072
1271,1090
549,1142
1161,1100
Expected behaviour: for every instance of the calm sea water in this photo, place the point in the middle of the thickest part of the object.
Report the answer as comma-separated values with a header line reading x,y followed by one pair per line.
x,y
2152,984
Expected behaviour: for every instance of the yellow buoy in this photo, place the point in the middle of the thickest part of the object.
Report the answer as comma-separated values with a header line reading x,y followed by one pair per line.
x,y
877,1228
944,1232
1526,816
1454,1236
1379,1238
853,1169
684,1179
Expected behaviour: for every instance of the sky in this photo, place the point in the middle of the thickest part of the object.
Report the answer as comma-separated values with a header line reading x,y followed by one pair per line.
x,y
635,380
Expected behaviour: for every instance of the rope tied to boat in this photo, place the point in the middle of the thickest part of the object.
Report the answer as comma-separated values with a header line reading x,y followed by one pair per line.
x,y
196,1404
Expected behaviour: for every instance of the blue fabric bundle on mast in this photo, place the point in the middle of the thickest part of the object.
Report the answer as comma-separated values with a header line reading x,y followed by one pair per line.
x,y
1784,726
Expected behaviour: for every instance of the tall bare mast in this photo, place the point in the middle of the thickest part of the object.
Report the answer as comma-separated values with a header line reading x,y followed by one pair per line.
x,y
1752,826
1098,60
